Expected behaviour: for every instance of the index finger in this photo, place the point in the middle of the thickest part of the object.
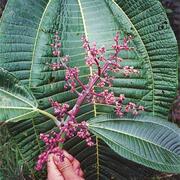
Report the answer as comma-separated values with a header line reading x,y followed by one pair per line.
x,y
69,156
53,171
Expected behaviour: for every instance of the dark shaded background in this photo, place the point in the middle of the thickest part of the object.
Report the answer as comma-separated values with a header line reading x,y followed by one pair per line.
x,y
2,5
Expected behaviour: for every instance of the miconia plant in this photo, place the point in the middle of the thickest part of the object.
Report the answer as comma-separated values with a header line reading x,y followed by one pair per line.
x,y
33,79
66,117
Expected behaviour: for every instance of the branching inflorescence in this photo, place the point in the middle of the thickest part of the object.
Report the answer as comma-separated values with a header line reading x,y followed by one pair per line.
x,y
94,57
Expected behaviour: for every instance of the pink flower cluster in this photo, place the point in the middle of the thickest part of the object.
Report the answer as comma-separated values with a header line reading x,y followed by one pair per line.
x,y
67,116
71,75
107,97
59,109
51,140
69,128
56,45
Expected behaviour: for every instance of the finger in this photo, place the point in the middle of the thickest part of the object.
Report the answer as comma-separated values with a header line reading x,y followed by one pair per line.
x,y
69,156
81,178
53,172
76,164
77,168
77,171
81,173
65,168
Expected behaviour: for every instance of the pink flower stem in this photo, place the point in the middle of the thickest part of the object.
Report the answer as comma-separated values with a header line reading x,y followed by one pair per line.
x,y
80,82
70,127
85,92
96,94
98,66
91,84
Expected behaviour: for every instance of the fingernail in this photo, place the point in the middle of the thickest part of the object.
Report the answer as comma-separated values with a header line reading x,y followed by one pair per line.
x,y
56,160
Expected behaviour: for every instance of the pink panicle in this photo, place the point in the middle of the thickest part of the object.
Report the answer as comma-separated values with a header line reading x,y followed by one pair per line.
x,y
71,128
52,141
104,66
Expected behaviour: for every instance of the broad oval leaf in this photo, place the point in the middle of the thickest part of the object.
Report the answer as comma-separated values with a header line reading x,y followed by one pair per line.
x,y
16,101
25,51
144,139
26,37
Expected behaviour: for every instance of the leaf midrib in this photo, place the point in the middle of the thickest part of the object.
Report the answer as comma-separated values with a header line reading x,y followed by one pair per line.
x,y
17,117
133,136
94,104
140,121
132,151
24,101
35,42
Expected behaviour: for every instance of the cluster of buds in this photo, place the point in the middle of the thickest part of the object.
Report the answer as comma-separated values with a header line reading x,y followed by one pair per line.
x,y
58,65
59,109
107,97
72,128
56,45
67,116
71,75
129,70
51,140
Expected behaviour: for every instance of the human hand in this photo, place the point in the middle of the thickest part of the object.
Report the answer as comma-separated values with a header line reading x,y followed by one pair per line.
x,y
67,170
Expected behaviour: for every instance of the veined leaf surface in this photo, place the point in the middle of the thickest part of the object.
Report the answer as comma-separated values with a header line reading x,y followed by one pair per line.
x,y
144,139
16,101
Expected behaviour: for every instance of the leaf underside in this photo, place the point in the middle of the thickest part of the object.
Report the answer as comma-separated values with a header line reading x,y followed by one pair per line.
x,y
26,30
143,139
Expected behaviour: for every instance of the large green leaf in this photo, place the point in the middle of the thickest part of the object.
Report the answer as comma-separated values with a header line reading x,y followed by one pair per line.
x,y
16,101
26,30
144,139
25,50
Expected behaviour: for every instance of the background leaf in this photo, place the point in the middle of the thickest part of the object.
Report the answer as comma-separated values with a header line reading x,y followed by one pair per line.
x,y
16,101
174,17
144,139
26,30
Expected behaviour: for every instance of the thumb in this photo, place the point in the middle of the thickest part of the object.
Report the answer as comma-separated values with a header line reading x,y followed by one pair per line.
x,y
65,168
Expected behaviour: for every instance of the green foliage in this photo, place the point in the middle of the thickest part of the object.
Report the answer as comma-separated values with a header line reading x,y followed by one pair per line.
x,y
25,51
11,166
144,139
17,102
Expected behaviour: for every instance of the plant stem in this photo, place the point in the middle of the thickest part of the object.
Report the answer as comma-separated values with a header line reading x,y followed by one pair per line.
x,y
50,116
84,93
